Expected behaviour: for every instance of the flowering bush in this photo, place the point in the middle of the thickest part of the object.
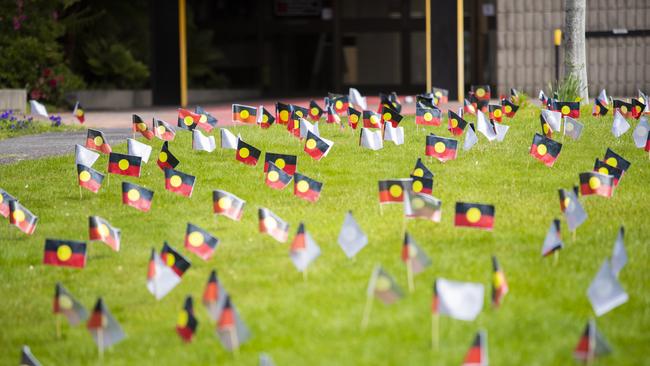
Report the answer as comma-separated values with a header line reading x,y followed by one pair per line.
x,y
11,121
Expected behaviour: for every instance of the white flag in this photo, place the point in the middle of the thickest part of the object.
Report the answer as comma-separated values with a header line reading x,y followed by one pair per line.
x,y
605,292
640,134
306,127
202,142
164,278
84,156
394,134
38,108
459,300
371,139
484,127
470,138
620,125
357,99
572,128
228,140
553,118
351,238
574,213
501,131
603,97
137,148
619,255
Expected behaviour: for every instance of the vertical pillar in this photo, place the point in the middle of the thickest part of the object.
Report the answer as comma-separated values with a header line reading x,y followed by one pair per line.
x,y
164,67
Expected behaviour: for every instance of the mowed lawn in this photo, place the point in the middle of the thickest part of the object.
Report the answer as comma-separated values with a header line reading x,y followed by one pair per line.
x,y
317,322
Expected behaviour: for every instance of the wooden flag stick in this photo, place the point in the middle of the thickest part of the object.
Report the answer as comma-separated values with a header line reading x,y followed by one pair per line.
x,y
556,257
100,343
366,313
234,343
409,274
435,331
80,194
58,326
573,234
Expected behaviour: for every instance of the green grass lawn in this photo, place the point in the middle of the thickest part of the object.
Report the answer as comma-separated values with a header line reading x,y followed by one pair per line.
x,y
35,128
317,322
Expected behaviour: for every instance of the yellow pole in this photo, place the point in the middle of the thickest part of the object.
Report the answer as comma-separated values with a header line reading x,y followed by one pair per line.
x,y
182,40
427,32
460,29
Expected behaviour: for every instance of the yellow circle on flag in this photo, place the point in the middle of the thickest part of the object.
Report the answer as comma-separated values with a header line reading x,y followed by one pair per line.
x,y
195,238
65,302
541,150
387,116
188,120
624,109
270,223
19,216
302,186
374,120
64,252
284,115
339,104
311,144
637,109
244,153
1,198
417,186
123,164
98,140
141,126
244,114
354,118
279,162
182,319
273,176
567,201
428,116
299,113
412,251
612,161
382,284
497,113
473,215
439,147
546,128
224,202
395,190
84,176
454,123
568,126
508,108
480,92
170,259
296,124
603,170
566,109
103,230
203,118
265,117
162,156
417,203
418,172
594,182
175,181
438,94
597,109
161,129
133,195
314,111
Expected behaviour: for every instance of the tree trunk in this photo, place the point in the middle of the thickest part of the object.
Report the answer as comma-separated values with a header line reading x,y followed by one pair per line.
x,y
575,60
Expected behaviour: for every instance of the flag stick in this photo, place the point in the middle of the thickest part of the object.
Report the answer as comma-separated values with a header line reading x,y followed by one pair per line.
x,y
366,312
573,234
234,342
304,275
80,195
409,274
435,331
100,343
58,326
556,257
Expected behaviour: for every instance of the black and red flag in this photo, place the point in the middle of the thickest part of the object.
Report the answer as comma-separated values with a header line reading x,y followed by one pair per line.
x,y
477,355
283,161
227,204
545,150
468,107
596,183
354,116
136,196
89,178
547,130
474,215
389,100
427,115
166,160
275,177
371,119
615,160
455,124
282,113
341,104
317,147
599,108
306,188
273,225
481,92
100,229
333,117
499,283
163,130
392,190
200,242
244,113
95,140
187,120
301,112
509,108
186,323
604,168
265,119
214,296
246,153
123,164
637,108
5,198
422,185
496,114
623,107
174,260
441,148
206,121
22,218
315,111
293,126
421,170
441,94
64,303
571,109
179,182
389,114
591,344
65,253
140,126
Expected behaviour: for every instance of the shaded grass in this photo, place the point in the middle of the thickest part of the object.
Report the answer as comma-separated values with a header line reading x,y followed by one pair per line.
x,y
35,128
317,322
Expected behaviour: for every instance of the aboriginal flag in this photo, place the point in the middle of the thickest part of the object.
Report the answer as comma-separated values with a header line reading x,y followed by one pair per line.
x,y
315,111
477,355
316,146
244,113
496,114
481,92
637,108
5,198
427,115
591,344
65,253
123,164
246,153
392,190
441,94
174,260
547,130
615,160
214,296
509,108
276,178
22,218
306,188
371,119
599,108
384,287
140,126
341,104
283,161
200,242
468,107
604,168
187,120
499,283
354,116
421,170
78,112
101,320
456,124
95,140
388,114
623,107
474,215
206,121
273,225
166,160
300,112
89,178
293,126
186,323
163,130
441,148
422,185
265,119
282,113
571,109
136,196
100,229
179,182
64,303
227,204
332,117
596,183
413,255
545,150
